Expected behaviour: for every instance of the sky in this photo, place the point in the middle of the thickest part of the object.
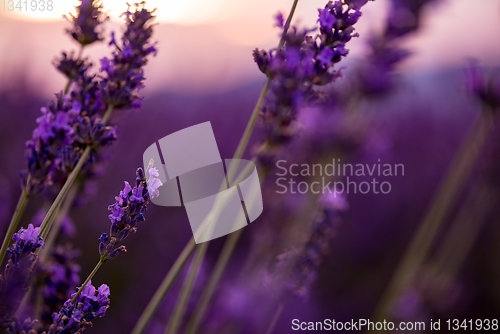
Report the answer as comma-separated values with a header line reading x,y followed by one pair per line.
x,y
205,46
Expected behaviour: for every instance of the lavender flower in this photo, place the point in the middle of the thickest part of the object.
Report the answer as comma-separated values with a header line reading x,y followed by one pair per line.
x,y
484,88
15,326
89,16
74,122
303,63
375,75
123,73
127,212
74,317
60,280
13,281
53,131
301,265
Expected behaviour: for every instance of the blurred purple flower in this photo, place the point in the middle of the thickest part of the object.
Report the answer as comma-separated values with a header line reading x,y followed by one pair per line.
x,y
15,277
60,280
298,267
485,88
301,64
89,16
124,72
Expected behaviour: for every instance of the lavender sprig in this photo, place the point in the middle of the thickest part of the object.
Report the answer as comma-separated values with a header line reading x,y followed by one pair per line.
x,y
302,64
115,92
41,155
61,279
18,268
91,303
89,16
123,73
126,213
304,263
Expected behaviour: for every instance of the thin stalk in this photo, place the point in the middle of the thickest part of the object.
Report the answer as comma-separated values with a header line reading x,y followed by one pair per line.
x,y
461,236
65,207
180,306
54,208
164,287
213,282
242,145
21,205
450,187
233,238
23,200
260,101
275,318
91,275
251,123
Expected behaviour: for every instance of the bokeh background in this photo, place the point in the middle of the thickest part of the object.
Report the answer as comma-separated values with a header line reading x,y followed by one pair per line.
x,y
204,71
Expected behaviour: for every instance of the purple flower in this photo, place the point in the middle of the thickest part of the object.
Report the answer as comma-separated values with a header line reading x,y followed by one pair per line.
x,y
74,317
18,268
325,56
127,211
484,88
106,65
279,21
326,18
137,195
85,23
60,281
27,240
125,77
117,213
303,63
299,267
153,181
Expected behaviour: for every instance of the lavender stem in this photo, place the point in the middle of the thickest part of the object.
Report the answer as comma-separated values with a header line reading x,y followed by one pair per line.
x,y
232,239
164,287
180,307
54,208
428,229
213,282
275,318
21,205
66,206
91,275
49,217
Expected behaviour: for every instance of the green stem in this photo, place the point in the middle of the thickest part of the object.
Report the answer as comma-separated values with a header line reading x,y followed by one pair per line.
x,y
181,260
180,306
21,205
23,200
275,318
164,287
258,106
91,275
427,231
213,282
107,114
54,208
54,231
233,238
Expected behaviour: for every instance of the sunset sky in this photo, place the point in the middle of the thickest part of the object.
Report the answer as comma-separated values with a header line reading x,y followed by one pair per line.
x,y
206,45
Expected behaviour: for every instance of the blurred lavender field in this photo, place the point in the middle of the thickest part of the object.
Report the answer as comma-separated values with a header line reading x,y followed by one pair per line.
x,y
419,119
